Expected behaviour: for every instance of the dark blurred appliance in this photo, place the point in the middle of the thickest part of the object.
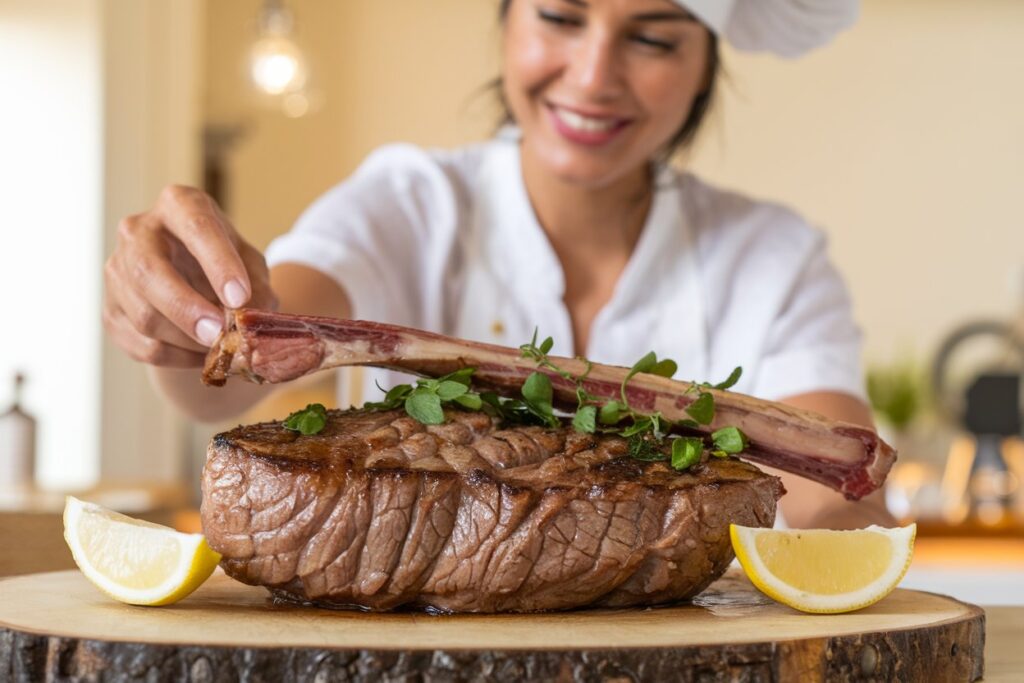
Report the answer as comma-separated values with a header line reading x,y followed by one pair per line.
x,y
977,379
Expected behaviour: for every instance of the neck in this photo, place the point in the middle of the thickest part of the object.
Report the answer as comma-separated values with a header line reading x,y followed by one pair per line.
x,y
585,218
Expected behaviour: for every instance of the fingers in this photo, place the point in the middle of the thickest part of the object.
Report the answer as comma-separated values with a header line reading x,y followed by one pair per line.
x,y
145,349
145,282
193,217
145,318
170,272
259,276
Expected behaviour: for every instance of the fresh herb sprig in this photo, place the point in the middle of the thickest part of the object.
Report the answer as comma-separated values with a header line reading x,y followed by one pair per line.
x,y
308,421
647,433
425,401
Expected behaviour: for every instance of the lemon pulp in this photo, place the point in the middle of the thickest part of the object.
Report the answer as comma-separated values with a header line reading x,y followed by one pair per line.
x,y
132,560
819,570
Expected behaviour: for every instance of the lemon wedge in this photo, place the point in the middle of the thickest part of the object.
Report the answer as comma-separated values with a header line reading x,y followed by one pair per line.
x,y
823,571
134,561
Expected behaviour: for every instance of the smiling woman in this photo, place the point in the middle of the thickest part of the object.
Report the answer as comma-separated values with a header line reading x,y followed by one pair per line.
x,y
675,55
570,221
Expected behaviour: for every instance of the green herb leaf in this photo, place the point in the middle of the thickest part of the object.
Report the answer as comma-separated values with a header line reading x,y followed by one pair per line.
x,y
470,400
490,398
640,425
310,420
645,364
449,390
538,393
585,420
462,376
537,388
729,439
719,453
703,409
666,367
686,451
692,424
546,345
398,393
425,406
611,413
733,378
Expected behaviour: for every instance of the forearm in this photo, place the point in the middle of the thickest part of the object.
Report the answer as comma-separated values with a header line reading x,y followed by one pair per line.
x,y
808,505
200,402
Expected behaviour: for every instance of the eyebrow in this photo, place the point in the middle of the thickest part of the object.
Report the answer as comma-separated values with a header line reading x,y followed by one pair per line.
x,y
680,15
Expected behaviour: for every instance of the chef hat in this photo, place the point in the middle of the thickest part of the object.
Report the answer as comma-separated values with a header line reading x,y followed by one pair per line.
x,y
788,28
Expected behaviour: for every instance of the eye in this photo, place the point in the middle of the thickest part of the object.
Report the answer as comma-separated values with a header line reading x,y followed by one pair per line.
x,y
655,43
558,19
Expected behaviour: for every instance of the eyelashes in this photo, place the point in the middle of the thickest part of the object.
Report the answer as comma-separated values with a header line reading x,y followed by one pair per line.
x,y
568,21
558,19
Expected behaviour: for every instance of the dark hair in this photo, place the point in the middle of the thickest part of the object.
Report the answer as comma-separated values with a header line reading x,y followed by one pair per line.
x,y
698,110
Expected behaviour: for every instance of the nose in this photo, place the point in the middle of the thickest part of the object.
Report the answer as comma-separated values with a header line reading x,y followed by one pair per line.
x,y
594,65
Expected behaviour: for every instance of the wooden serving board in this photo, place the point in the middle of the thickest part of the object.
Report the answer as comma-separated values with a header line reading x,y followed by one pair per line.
x,y
57,626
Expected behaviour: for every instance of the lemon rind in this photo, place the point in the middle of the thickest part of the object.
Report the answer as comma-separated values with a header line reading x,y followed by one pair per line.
x,y
189,574
901,538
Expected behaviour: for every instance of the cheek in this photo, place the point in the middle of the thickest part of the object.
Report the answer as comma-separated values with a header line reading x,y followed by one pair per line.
x,y
666,95
529,62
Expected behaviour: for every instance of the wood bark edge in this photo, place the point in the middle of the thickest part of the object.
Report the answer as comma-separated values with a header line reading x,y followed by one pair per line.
x,y
947,651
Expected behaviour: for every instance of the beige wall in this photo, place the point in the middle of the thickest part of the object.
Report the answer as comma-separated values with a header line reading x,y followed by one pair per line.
x,y
151,137
903,139
398,70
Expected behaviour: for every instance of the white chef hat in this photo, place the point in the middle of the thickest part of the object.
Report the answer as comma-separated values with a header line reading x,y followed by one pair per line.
x,y
788,28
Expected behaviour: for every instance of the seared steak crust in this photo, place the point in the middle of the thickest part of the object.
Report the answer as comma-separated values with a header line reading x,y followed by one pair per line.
x,y
378,511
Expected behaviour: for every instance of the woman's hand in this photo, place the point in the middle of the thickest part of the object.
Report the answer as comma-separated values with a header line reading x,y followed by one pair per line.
x,y
172,270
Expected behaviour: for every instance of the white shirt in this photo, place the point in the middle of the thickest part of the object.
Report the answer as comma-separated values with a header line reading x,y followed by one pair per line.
x,y
447,240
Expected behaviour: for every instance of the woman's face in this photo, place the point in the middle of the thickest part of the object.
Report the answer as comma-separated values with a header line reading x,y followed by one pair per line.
x,y
598,87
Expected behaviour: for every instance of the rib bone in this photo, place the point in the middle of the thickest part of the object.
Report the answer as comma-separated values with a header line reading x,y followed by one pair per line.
x,y
274,347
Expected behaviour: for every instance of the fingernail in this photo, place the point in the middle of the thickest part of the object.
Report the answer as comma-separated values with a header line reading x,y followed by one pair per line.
x,y
235,294
207,330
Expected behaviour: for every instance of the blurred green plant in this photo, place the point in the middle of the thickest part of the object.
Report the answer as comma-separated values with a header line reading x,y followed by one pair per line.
x,y
898,392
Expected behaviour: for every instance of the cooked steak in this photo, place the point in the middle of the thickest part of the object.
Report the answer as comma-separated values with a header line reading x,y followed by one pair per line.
x,y
264,346
378,511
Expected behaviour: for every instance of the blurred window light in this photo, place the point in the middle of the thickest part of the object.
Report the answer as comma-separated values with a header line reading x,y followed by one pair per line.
x,y
277,65
51,232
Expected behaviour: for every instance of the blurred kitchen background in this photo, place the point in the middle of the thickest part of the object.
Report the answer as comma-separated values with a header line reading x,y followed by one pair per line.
x,y
903,140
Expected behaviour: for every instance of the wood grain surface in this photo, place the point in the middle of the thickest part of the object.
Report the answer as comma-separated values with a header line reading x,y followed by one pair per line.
x,y
57,626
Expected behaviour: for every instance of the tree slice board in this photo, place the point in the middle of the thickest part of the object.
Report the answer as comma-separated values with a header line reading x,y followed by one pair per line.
x,y
57,626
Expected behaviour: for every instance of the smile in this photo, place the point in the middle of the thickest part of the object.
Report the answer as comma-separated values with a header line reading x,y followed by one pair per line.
x,y
583,129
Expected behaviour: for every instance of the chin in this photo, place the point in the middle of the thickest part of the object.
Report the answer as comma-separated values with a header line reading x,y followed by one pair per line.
x,y
582,169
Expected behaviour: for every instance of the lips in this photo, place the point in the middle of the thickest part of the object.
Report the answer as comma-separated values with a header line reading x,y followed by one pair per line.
x,y
585,129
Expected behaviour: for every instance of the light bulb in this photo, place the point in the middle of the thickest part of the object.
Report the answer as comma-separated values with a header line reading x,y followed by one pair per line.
x,y
277,66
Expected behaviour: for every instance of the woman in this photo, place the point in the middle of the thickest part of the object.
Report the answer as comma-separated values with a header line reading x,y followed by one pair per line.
x,y
574,226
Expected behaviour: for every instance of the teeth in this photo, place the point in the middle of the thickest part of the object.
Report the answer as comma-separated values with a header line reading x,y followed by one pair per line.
x,y
584,124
